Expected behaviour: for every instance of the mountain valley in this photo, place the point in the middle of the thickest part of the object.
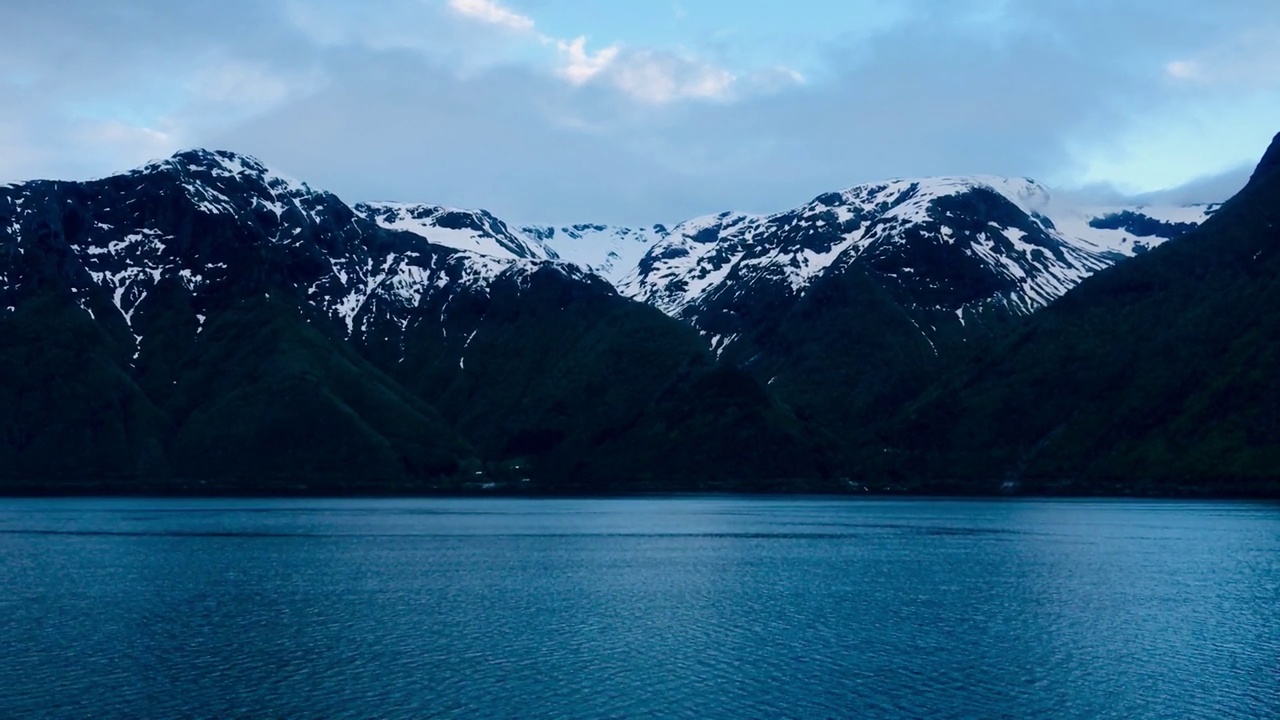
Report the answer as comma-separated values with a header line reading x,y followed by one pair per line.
x,y
206,324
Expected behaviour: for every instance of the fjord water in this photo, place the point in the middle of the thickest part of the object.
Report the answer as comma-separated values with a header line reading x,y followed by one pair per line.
x,y
682,607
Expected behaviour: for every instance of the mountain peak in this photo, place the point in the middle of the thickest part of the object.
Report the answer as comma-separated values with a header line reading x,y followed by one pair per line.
x,y
916,194
225,159
1270,160
222,164
471,230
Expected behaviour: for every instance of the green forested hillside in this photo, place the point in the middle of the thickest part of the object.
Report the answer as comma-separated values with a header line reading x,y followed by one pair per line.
x,y
70,415
152,340
586,390
1156,376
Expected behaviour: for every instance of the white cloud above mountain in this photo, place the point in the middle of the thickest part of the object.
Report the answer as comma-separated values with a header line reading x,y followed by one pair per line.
x,y
644,74
1250,59
493,13
641,112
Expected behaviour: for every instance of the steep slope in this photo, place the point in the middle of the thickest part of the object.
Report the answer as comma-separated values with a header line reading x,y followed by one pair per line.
x,y
550,371
553,375
204,323
237,330
70,414
853,302
1153,376
476,231
948,247
140,274
612,252
958,244
605,250
266,401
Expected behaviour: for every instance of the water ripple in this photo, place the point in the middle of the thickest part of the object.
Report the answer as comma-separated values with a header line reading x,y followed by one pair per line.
x,y
686,608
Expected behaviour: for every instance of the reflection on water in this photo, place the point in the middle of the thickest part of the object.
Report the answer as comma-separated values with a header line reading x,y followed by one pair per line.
x,y
686,607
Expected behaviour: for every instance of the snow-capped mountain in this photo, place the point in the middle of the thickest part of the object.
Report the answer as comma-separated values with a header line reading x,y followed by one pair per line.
x,y
962,246
204,319
476,231
947,249
609,251
218,225
959,244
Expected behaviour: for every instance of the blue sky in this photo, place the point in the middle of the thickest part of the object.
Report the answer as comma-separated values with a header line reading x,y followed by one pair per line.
x,y
653,111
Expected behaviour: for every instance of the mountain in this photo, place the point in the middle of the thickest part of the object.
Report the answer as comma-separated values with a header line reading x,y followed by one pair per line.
x,y
609,251
1152,376
950,248
853,303
963,245
476,231
163,279
205,322
605,250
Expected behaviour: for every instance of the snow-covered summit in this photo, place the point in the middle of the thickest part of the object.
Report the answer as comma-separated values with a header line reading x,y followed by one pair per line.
x,y
605,250
220,226
1011,239
476,231
1034,244
609,251
953,245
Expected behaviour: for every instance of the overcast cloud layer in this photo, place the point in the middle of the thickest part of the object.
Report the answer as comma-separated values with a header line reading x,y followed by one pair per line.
x,y
526,108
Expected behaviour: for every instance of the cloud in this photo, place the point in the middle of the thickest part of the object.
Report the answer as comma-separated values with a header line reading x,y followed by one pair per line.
x,y
1214,188
104,87
662,77
1249,59
1207,189
1184,70
248,85
532,146
416,100
499,141
493,13
380,25
577,65
130,140
646,75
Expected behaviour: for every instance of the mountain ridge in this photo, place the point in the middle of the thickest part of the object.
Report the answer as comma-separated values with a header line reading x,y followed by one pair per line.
x,y
207,305
675,267
236,316
1165,363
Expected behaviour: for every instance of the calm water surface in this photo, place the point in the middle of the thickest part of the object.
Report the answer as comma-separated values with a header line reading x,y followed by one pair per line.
x,y
689,607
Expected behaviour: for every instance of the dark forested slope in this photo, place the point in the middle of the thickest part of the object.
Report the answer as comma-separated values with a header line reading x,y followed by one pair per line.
x,y
1157,375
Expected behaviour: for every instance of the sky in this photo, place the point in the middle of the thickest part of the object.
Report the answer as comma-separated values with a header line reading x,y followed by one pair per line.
x,y
643,111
